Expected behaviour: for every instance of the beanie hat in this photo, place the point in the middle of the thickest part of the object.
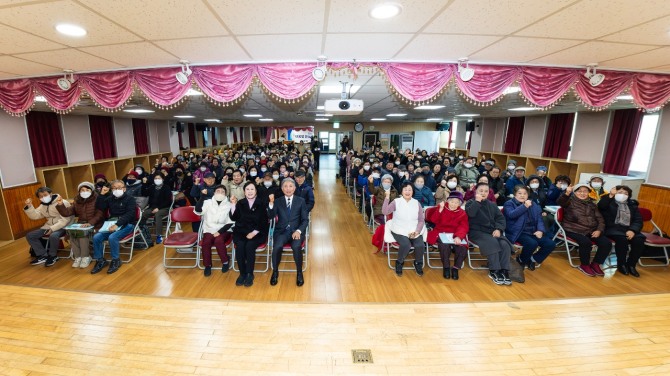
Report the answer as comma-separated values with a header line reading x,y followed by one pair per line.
x,y
87,185
100,176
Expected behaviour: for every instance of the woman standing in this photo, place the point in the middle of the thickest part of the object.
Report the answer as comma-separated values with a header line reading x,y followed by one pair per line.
x,y
623,223
84,208
486,230
215,225
450,218
250,231
407,226
525,225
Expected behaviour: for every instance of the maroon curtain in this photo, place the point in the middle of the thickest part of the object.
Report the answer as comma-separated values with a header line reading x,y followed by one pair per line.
x,y
141,136
241,134
559,132
623,138
102,136
514,135
46,140
181,141
191,136
214,142
234,135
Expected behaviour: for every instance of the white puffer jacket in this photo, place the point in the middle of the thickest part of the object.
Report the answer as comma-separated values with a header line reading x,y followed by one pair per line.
x,y
215,215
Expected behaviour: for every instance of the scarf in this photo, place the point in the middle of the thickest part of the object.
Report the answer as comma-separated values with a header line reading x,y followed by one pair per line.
x,y
623,214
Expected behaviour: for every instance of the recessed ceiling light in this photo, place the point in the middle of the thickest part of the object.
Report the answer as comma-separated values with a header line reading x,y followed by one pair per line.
x,y
324,115
193,92
266,119
336,124
429,107
434,119
396,115
40,98
253,115
213,120
378,119
184,116
139,111
71,30
468,115
512,90
336,89
620,97
385,10
320,107
524,109
321,119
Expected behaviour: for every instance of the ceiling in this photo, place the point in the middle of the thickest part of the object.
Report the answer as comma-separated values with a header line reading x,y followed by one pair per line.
x,y
122,34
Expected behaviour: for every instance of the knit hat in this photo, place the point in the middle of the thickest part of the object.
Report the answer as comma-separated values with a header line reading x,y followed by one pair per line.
x,y
577,186
511,161
134,173
520,168
100,176
87,185
455,194
541,168
208,175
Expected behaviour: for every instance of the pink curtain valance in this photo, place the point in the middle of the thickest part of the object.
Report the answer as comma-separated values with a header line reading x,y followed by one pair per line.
x,y
414,82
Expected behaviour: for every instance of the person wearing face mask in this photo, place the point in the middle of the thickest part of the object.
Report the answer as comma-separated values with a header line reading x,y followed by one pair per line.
x,y
429,180
541,172
100,181
84,208
517,179
450,218
448,184
217,169
53,227
215,225
597,188
141,172
467,172
379,192
472,192
253,175
583,222
304,190
121,207
525,225
364,178
160,200
561,184
421,193
269,186
201,171
537,191
623,224
497,185
509,172
182,183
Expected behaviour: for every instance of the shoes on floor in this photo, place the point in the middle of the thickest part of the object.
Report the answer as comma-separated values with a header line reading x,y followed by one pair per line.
x,y
114,266
596,269
586,269
51,261
299,280
418,267
99,265
240,279
208,271
506,279
623,269
39,260
633,271
159,239
398,268
77,262
85,262
274,278
225,267
249,280
454,274
445,273
496,277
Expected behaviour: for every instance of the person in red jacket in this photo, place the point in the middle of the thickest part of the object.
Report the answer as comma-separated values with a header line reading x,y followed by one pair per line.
x,y
450,218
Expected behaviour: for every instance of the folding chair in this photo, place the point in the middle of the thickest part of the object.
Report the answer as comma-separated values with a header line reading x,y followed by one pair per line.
x,y
262,256
372,222
151,221
287,251
228,244
127,244
391,250
569,243
654,239
184,244
435,254
61,246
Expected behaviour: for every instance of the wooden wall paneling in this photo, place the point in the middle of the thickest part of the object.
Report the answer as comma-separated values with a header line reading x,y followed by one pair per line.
x,y
656,199
5,226
14,199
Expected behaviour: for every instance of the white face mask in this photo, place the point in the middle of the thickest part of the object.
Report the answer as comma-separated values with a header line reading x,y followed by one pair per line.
x,y
219,197
397,163
139,171
263,169
117,192
46,199
451,184
203,168
534,185
563,187
375,175
267,184
275,177
253,173
158,182
366,168
510,167
242,170
467,165
85,194
621,197
596,185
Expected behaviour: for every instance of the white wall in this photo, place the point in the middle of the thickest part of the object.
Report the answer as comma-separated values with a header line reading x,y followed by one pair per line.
x,y
660,157
501,131
427,140
16,164
591,135
534,135
152,128
77,138
125,143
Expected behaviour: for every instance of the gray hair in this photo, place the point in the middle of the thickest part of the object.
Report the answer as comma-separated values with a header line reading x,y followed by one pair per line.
x,y
117,181
387,176
288,180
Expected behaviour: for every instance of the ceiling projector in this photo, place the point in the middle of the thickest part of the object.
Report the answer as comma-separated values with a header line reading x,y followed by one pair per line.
x,y
343,106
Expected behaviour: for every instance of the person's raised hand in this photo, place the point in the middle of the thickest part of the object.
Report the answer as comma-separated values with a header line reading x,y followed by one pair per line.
x,y
371,179
568,190
59,200
104,190
441,205
29,201
225,178
144,180
197,181
612,192
204,191
233,200
528,203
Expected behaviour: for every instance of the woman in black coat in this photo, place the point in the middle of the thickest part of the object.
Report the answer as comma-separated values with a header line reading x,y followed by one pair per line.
x,y
250,231
623,223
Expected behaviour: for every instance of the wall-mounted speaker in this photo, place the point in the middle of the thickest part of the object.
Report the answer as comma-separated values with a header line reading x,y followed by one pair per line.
x,y
470,126
180,127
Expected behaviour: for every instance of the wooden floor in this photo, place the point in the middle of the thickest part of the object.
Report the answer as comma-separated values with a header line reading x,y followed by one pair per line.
x,y
148,320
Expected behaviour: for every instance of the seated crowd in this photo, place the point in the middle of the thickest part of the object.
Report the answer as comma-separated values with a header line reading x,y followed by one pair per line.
x,y
234,191
497,210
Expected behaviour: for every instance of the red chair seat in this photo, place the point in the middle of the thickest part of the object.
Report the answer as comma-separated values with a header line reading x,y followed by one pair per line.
x,y
129,236
653,239
179,239
262,247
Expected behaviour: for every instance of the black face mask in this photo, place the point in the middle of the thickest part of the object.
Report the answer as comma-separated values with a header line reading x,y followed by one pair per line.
x,y
100,184
180,174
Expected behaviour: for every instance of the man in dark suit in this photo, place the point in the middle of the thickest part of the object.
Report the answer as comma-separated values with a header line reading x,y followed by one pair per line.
x,y
291,226
316,150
